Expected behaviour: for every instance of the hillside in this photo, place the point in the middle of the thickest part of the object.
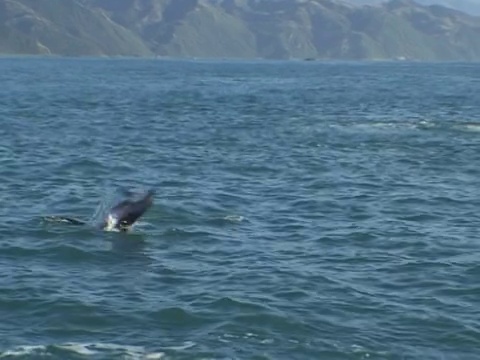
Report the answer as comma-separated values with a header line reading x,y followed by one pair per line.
x,y
64,27
281,29
471,7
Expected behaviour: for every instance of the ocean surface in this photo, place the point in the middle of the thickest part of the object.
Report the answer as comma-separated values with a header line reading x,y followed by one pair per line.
x,y
304,210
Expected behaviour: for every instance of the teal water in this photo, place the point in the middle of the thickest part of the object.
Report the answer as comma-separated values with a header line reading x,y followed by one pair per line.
x,y
303,210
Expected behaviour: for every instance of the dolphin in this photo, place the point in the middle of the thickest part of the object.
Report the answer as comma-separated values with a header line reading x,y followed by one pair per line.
x,y
121,217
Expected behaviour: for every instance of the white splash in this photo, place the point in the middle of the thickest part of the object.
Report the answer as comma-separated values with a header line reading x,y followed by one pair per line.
x,y
88,350
472,127
111,223
23,350
234,218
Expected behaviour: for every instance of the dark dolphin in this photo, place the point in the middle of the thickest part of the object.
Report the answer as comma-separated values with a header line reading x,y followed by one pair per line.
x,y
121,217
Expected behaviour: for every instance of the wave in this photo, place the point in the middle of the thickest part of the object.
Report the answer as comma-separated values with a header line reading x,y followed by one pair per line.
x,y
74,350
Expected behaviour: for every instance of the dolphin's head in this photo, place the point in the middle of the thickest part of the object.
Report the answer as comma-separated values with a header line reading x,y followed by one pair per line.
x,y
123,215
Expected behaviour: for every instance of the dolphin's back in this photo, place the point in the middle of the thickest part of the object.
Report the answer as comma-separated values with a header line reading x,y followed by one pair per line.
x,y
128,211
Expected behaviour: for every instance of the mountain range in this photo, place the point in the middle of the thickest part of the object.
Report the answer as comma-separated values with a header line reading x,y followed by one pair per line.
x,y
271,29
468,6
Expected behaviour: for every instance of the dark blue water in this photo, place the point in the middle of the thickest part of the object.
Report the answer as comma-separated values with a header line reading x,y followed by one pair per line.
x,y
303,210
